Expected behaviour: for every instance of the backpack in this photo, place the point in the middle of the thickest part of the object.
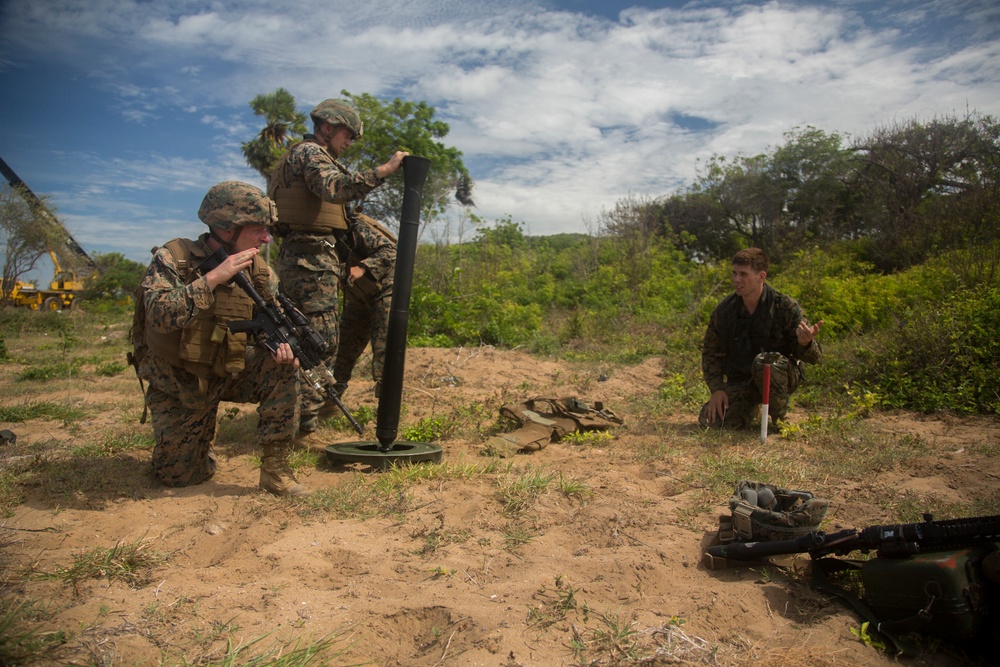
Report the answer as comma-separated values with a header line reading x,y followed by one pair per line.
x,y
137,332
953,594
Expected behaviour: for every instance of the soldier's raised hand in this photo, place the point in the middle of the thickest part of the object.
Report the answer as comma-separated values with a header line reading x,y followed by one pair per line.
x,y
392,165
807,332
232,265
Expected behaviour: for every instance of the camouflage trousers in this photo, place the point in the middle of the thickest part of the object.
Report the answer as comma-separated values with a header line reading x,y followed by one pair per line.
x,y
745,397
184,419
365,319
312,282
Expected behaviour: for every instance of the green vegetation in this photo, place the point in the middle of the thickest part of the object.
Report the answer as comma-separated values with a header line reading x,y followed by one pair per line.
x,y
20,643
129,563
919,338
39,410
519,489
116,279
428,429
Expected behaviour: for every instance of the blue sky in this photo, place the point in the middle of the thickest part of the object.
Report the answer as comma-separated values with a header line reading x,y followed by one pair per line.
x,y
126,111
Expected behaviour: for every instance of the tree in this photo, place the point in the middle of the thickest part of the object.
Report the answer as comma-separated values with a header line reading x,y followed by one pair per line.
x,y
699,225
782,200
636,224
411,127
929,186
814,169
283,126
116,276
27,235
751,197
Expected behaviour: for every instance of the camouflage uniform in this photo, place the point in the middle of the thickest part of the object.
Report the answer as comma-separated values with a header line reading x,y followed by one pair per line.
x,y
312,266
365,319
184,406
737,345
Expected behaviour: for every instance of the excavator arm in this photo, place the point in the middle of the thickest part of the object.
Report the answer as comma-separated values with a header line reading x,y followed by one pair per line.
x,y
72,252
68,282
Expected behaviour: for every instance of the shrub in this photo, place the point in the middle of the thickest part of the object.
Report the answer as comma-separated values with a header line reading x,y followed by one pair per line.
x,y
943,358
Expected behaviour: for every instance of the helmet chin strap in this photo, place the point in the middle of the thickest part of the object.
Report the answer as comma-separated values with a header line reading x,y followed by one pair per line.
x,y
327,137
228,245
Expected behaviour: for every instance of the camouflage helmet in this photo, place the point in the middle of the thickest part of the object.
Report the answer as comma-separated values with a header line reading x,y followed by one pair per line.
x,y
233,204
338,112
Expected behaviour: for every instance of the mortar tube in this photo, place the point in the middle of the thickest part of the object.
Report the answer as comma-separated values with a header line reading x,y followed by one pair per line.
x,y
415,170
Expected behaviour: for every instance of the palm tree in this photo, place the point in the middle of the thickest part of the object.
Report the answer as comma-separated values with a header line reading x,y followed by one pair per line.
x,y
283,127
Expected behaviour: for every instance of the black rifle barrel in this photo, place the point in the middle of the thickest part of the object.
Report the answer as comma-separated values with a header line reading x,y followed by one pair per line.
x,y
415,170
754,550
890,541
908,538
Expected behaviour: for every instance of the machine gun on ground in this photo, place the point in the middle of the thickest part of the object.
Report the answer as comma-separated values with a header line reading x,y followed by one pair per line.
x,y
893,541
276,323
935,577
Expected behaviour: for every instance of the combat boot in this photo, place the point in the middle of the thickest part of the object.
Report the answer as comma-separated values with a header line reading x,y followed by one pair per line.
x,y
310,441
275,475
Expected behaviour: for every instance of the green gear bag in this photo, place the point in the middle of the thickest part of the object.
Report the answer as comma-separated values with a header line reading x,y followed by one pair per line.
x,y
953,594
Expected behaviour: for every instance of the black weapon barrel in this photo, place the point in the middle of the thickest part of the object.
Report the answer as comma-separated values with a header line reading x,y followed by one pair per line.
x,y
754,550
905,539
415,170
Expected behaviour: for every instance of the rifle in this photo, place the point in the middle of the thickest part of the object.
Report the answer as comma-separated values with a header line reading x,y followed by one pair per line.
x,y
892,541
282,322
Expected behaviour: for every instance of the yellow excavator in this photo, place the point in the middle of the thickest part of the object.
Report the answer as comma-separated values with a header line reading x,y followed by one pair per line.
x,y
67,283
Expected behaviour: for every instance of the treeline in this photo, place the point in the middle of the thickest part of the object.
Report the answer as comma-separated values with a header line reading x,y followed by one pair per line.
x,y
904,192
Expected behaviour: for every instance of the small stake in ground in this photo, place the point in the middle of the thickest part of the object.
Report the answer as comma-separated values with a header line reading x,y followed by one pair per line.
x,y
764,402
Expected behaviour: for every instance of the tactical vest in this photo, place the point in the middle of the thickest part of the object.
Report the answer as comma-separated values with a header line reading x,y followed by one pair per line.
x,y
299,210
205,347
543,419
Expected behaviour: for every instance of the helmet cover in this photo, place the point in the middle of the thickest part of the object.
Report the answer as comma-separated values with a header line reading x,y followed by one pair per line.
x,y
338,112
234,204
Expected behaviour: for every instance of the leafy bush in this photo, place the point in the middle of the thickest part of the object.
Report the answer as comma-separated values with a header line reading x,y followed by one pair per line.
x,y
938,358
901,336
45,372
850,297
428,429
110,369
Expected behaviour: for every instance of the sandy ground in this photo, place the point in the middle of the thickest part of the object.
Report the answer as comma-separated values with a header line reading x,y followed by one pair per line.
x,y
615,568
